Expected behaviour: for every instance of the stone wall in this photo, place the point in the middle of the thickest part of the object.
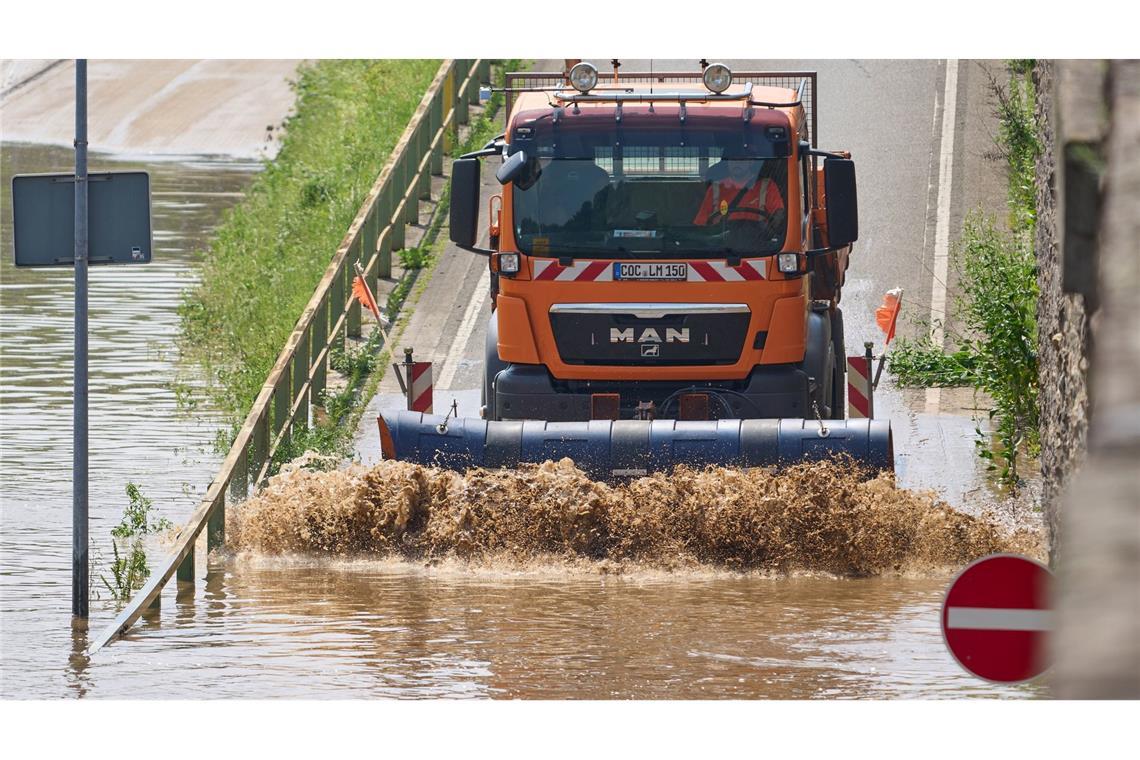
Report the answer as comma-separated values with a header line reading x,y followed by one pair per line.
x,y
1062,321
1096,643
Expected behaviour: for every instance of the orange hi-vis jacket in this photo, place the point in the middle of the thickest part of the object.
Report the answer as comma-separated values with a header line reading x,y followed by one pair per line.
x,y
721,201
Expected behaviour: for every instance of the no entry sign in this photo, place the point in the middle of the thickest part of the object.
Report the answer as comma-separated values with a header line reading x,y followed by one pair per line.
x,y
995,618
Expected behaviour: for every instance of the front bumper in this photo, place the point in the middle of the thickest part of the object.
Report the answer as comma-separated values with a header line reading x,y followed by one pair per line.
x,y
529,392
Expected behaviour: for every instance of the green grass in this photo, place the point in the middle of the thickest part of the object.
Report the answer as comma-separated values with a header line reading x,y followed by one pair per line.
x,y
363,366
272,248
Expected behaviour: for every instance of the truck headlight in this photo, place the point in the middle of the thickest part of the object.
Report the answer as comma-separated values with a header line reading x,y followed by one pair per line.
x,y
509,263
788,263
718,77
583,77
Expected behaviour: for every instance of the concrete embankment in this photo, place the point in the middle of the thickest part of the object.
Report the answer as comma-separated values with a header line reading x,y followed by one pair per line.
x,y
151,108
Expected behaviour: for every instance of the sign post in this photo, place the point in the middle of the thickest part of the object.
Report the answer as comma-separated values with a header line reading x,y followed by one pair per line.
x,y
51,227
995,618
80,582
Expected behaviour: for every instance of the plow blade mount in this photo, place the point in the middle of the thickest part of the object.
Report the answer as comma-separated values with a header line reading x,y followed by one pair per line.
x,y
606,449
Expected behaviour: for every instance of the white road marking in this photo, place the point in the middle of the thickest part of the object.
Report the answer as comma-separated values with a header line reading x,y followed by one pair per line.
x,y
998,619
466,327
942,220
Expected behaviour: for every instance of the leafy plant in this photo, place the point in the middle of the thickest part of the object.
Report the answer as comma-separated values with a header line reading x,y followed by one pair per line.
x,y
997,353
997,304
415,258
136,518
1017,142
129,570
128,574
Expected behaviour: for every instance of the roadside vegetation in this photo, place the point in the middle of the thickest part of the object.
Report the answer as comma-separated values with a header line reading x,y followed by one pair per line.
x,y
996,302
272,248
128,570
362,365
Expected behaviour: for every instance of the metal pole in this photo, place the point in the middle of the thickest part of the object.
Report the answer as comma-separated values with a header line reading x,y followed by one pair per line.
x,y
408,374
869,347
80,584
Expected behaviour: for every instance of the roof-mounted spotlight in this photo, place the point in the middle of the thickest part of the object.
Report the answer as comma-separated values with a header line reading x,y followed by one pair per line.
x,y
718,77
583,77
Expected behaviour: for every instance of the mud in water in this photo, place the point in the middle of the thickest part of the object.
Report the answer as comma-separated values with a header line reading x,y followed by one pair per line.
x,y
825,517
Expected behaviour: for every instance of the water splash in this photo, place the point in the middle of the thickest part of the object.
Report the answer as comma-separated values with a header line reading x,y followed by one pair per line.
x,y
829,517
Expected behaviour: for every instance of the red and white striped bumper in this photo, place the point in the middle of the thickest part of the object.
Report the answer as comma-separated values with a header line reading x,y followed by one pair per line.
x,y
603,271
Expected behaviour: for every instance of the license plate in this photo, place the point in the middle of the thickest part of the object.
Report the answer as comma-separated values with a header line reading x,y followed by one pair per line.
x,y
650,271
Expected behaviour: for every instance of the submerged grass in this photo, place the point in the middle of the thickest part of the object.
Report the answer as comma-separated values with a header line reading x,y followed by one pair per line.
x,y
272,248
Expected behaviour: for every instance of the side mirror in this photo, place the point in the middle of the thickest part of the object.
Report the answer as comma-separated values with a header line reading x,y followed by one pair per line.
x,y
520,169
842,202
464,218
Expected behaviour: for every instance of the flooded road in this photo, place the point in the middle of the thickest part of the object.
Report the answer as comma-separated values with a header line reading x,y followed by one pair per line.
x,y
336,629
137,432
294,626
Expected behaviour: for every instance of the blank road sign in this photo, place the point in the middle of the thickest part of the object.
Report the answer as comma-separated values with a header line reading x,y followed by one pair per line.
x,y
118,219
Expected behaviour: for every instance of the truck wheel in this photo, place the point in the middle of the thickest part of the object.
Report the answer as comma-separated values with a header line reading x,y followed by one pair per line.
x,y
492,365
839,384
819,363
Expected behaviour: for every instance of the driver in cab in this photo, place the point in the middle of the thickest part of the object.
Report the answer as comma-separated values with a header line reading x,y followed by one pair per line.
x,y
736,192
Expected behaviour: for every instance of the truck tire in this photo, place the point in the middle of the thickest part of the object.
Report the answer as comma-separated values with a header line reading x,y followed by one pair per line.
x,y
492,366
839,384
819,363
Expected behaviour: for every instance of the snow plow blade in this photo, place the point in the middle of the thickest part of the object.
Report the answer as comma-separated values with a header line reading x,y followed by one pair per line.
x,y
606,449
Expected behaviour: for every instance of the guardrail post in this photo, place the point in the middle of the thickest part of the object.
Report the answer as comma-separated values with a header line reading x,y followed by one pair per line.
x,y
320,342
154,608
411,197
353,319
281,403
384,256
436,123
423,162
337,295
260,446
462,93
239,479
186,569
216,525
448,101
391,209
300,370
370,231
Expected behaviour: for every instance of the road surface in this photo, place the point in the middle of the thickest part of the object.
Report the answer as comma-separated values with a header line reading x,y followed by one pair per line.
x,y
151,108
921,167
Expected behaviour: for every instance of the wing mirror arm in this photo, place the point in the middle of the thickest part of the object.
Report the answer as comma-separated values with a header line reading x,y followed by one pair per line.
x,y
476,249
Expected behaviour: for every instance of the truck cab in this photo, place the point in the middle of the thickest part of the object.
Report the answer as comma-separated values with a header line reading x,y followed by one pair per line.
x,y
666,246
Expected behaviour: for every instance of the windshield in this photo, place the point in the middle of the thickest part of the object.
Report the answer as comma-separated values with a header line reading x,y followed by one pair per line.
x,y
650,193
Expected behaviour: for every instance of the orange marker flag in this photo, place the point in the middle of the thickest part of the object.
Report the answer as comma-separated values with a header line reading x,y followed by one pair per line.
x,y
361,292
888,314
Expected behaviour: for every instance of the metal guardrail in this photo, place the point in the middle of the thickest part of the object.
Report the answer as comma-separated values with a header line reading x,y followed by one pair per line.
x,y
301,370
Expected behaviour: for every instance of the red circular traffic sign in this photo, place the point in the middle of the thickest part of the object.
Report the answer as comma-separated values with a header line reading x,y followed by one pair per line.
x,y
995,618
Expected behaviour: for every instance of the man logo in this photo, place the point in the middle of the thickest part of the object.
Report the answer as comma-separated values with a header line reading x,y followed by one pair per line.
x,y
651,350
649,335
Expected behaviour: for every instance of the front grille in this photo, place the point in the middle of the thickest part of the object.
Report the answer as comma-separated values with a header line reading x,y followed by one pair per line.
x,y
612,337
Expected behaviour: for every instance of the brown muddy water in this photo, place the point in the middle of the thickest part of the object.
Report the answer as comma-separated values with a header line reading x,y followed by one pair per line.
x,y
399,582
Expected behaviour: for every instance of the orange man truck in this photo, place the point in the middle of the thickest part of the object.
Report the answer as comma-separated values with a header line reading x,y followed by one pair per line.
x,y
667,258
